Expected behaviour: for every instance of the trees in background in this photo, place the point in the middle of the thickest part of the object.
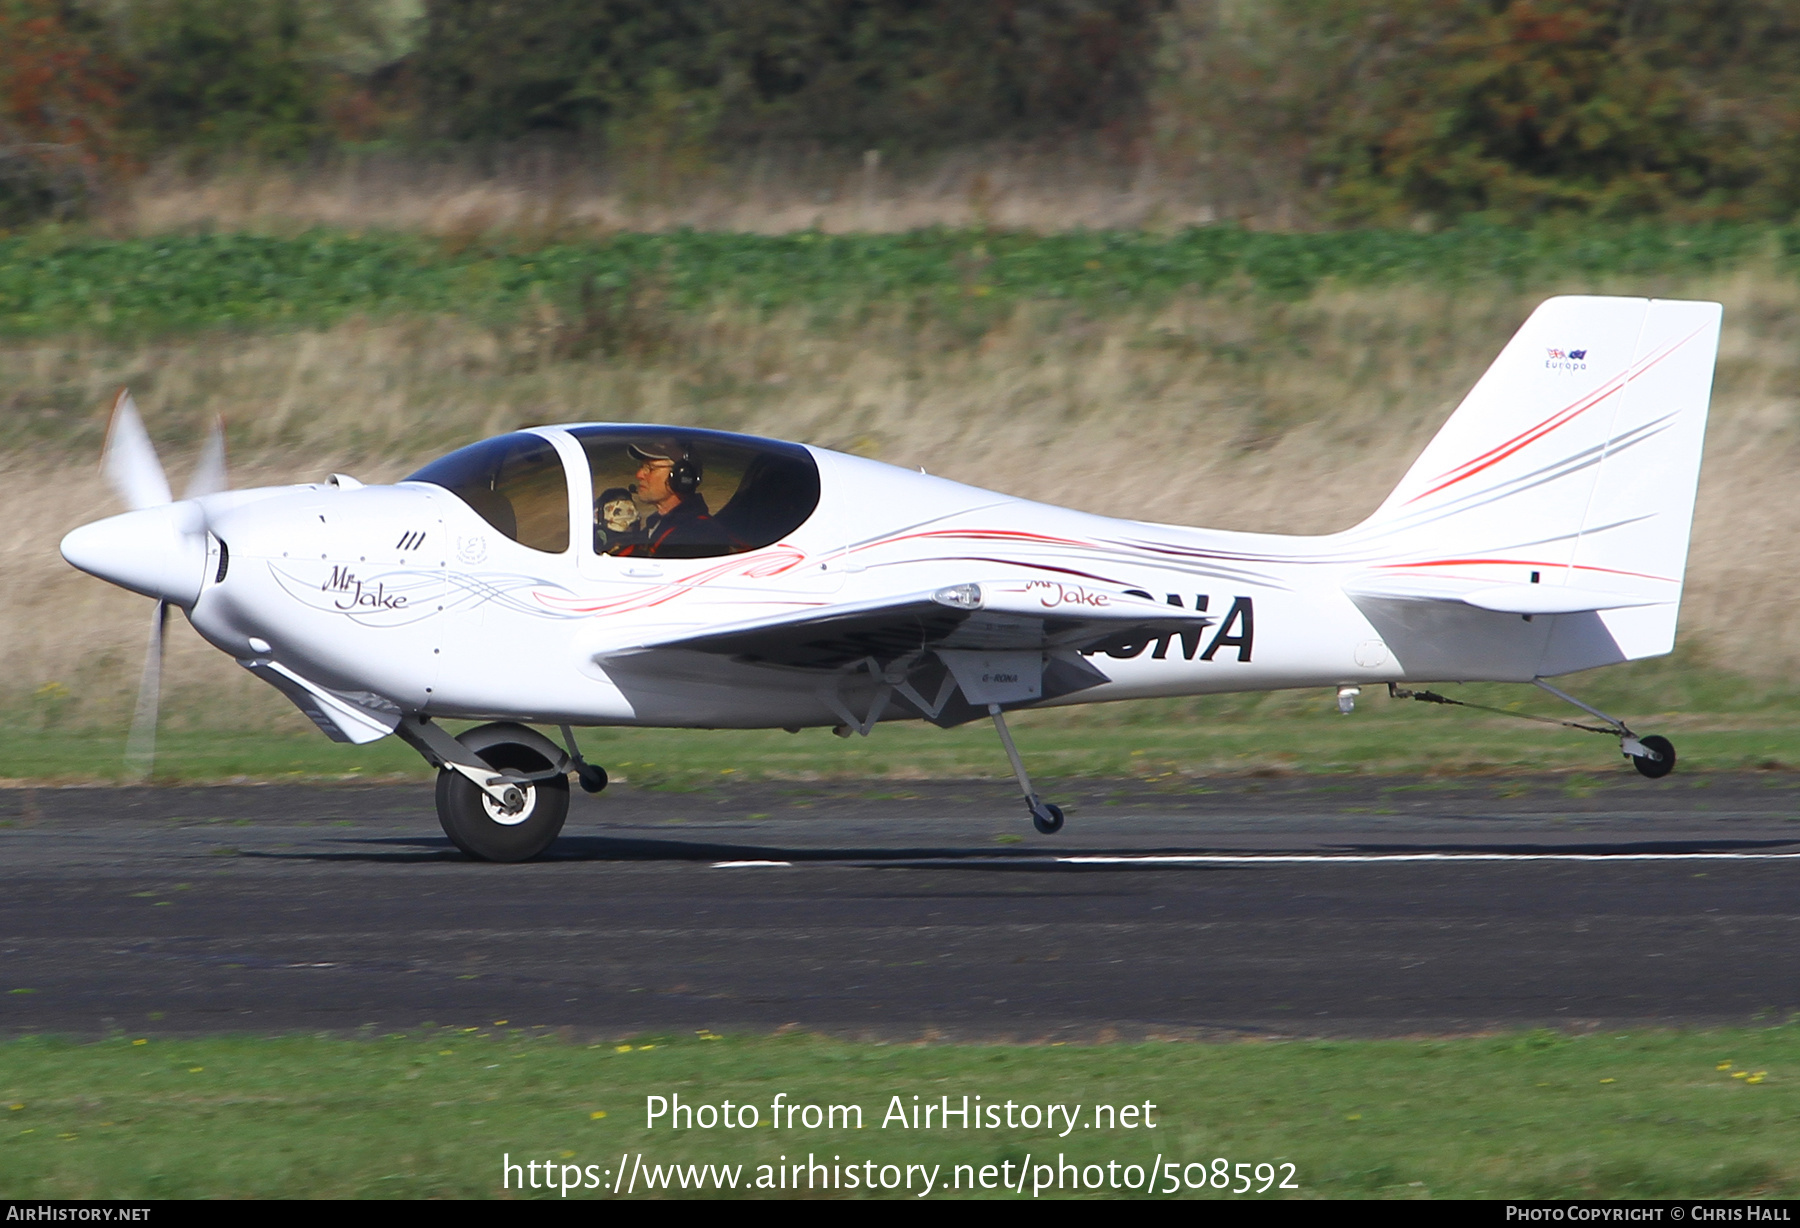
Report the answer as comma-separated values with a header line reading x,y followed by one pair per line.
x,y
59,110
1396,111
1361,111
857,72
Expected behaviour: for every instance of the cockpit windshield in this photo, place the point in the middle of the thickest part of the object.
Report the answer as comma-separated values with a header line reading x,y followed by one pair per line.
x,y
694,494
515,482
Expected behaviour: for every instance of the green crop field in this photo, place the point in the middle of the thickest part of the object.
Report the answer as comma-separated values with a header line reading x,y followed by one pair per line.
x,y
50,283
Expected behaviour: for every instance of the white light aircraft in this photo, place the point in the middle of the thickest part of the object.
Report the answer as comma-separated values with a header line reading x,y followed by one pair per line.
x,y
605,575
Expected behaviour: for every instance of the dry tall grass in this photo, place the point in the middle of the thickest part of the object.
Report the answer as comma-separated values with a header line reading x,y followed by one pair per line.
x,y
1244,413
556,193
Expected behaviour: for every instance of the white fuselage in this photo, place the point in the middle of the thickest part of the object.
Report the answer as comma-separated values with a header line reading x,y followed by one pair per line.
x,y
405,595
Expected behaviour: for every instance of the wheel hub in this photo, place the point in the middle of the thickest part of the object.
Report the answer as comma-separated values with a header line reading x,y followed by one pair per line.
x,y
518,805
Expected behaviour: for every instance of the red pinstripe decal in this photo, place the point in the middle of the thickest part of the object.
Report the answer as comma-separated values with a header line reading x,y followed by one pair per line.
x,y
979,535
778,560
1611,571
1560,418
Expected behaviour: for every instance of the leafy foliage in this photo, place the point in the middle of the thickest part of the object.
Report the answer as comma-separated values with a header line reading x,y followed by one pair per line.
x,y
1508,109
59,105
215,74
910,71
1357,112
174,282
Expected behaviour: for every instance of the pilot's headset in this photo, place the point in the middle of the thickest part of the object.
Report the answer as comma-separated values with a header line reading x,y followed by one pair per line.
x,y
685,470
684,478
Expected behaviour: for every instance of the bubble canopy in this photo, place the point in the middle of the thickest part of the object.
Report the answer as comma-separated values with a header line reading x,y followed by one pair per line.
x,y
662,492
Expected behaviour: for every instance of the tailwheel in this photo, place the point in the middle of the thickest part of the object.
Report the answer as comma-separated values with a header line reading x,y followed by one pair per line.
x,y
1047,817
1662,765
516,829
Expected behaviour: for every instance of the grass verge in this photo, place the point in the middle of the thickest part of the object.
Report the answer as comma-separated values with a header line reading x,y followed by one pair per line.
x,y
430,1113
1180,742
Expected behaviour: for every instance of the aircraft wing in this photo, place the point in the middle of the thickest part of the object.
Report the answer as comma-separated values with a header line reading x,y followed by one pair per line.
x,y
1004,616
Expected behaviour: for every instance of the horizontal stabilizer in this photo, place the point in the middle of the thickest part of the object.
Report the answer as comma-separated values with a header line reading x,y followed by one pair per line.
x,y
1504,598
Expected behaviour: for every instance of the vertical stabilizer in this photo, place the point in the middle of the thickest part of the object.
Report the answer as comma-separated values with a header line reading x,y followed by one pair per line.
x,y
1573,464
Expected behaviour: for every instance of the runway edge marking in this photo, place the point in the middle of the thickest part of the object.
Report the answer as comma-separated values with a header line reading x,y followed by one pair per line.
x,y
1162,859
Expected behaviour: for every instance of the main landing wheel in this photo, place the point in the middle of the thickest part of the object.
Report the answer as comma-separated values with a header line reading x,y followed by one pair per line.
x,y
484,829
1663,764
1047,817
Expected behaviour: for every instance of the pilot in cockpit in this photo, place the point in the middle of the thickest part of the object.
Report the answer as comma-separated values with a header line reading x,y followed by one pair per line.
x,y
668,479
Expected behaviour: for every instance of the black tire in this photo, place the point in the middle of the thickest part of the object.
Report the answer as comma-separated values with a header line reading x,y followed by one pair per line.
x,y
1047,818
475,824
1659,767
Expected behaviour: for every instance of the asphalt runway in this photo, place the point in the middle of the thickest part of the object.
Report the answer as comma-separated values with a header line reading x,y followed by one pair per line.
x,y
1281,907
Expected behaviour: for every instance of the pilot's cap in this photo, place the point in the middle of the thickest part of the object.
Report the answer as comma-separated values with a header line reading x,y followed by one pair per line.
x,y
659,449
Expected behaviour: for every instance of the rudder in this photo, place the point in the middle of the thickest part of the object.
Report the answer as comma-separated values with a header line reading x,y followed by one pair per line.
x,y
1571,465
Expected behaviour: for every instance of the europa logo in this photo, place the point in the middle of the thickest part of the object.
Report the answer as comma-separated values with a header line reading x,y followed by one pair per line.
x,y
1565,360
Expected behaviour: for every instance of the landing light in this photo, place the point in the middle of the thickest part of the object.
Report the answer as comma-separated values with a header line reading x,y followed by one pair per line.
x,y
959,596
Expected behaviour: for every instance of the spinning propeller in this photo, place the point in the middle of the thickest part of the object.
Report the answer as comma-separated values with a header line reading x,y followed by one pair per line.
x,y
158,548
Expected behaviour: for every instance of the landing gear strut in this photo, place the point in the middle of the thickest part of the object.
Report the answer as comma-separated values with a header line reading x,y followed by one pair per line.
x,y
591,776
1652,756
518,826
502,788
1045,816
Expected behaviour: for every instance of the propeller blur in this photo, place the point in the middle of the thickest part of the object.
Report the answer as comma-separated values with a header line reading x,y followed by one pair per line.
x,y
158,549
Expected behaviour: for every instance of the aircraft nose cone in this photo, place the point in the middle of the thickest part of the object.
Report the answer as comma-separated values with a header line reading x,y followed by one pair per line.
x,y
158,551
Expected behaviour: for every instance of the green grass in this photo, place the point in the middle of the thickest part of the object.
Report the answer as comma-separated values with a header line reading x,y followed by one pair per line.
x,y
1545,1115
55,281
1718,723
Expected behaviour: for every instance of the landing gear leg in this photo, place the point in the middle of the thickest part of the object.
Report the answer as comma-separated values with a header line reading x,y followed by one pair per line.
x,y
591,776
1652,756
1045,816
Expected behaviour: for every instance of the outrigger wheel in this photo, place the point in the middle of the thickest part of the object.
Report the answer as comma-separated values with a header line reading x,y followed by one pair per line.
x,y
518,831
1047,817
1663,764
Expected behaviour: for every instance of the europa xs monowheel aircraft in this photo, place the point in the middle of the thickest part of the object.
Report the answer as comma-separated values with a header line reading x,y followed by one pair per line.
x,y
594,575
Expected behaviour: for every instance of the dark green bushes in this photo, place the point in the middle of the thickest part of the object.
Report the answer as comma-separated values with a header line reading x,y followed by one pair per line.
x,y
914,72
1345,112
